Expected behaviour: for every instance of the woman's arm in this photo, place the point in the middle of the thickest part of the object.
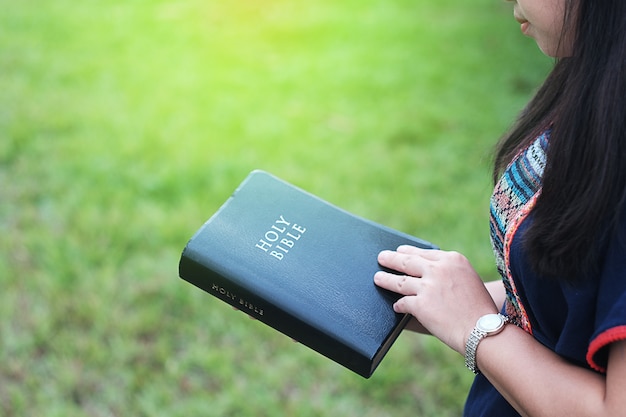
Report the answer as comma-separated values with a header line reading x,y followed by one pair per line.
x,y
446,295
538,382
496,290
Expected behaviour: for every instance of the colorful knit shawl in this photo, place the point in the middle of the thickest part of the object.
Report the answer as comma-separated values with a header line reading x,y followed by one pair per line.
x,y
513,198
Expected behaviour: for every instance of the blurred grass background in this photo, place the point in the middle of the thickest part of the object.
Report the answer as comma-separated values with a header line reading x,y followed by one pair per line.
x,y
125,124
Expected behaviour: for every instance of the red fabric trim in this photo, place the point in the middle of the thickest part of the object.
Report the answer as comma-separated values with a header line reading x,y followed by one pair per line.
x,y
603,340
520,316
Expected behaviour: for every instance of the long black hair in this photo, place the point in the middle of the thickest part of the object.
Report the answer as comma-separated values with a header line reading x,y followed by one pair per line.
x,y
583,102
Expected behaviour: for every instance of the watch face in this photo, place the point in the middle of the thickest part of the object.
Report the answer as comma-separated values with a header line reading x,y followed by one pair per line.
x,y
490,323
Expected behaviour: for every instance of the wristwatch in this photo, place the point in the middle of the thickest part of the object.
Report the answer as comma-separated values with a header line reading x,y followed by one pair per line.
x,y
487,325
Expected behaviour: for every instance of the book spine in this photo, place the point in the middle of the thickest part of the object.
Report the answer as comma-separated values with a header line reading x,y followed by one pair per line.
x,y
269,313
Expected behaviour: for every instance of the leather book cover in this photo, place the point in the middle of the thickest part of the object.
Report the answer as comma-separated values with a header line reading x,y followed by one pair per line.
x,y
302,266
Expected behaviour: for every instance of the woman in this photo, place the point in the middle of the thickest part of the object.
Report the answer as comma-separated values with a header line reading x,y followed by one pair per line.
x,y
558,228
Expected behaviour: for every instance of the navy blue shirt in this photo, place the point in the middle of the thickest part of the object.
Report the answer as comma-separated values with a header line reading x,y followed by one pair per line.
x,y
576,321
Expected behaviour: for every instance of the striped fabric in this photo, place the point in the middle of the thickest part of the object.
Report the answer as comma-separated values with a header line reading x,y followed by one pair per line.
x,y
514,196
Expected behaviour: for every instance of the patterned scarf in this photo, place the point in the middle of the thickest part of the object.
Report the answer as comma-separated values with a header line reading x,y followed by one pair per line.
x,y
513,198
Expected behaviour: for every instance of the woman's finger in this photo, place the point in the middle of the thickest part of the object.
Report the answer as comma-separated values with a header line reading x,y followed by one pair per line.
x,y
409,264
430,254
404,305
401,284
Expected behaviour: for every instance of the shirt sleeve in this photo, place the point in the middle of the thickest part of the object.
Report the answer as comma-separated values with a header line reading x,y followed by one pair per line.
x,y
611,304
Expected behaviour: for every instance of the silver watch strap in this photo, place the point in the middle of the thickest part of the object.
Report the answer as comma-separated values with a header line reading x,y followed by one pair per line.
x,y
470,349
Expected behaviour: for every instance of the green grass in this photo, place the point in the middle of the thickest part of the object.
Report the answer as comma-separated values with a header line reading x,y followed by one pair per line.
x,y
125,124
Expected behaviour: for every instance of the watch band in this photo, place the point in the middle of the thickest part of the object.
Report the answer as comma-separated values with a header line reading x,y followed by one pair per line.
x,y
479,333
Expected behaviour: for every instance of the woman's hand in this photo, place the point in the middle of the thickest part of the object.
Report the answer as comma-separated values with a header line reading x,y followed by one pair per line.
x,y
441,290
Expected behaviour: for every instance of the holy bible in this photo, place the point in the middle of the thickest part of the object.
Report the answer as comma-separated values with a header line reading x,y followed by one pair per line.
x,y
302,266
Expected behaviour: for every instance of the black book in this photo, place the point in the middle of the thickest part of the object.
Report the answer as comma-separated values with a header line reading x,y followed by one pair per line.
x,y
302,266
